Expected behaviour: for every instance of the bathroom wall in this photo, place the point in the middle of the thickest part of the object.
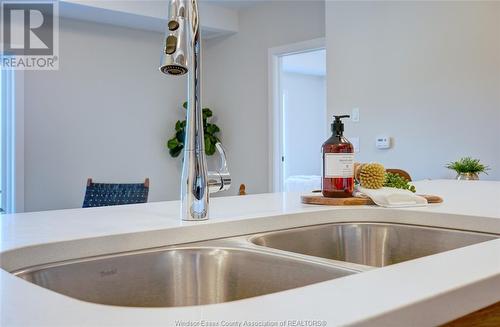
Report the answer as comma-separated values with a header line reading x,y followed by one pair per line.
x,y
106,114
425,73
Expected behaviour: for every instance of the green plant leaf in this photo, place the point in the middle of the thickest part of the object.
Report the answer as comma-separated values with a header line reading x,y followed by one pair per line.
x,y
212,128
178,126
210,139
210,150
180,136
172,143
207,113
468,165
176,151
398,181
176,144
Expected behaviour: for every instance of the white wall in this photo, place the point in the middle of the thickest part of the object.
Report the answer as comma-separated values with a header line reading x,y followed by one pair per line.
x,y
236,80
417,71
304,117
107,114
425,73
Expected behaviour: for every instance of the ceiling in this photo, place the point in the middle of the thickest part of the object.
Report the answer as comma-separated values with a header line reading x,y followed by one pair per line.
x,y
309,63
218,19
233,4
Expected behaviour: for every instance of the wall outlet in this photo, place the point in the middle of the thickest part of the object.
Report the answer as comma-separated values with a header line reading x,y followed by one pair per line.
x,y
355,115
383,142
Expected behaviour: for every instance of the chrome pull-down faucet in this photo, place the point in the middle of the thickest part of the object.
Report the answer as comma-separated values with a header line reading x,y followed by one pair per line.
x,y
182,54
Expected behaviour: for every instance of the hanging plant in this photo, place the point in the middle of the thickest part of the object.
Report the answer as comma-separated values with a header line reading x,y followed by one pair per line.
x,y
176,143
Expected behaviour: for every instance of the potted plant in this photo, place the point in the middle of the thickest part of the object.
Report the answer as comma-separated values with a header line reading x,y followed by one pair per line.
x,y
210,131
468,168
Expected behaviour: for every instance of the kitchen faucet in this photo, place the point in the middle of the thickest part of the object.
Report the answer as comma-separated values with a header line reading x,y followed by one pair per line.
x,y
181,55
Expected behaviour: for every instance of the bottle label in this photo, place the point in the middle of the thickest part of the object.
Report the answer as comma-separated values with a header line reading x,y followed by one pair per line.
x,y
339,165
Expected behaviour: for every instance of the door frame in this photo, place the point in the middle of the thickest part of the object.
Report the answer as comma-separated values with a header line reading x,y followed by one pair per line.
x,y
13,129
275,114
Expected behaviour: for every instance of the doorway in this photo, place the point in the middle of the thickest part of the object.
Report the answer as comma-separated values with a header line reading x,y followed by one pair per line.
x,y
298,105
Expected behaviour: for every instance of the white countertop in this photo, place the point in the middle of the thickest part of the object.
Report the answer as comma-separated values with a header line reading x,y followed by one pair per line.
x,y
426,291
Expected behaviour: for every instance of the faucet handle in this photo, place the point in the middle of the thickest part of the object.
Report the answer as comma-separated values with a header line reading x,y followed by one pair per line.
x,y
223,161
220,180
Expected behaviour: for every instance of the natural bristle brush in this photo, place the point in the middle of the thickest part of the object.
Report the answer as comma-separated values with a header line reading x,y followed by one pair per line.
x,y
370,175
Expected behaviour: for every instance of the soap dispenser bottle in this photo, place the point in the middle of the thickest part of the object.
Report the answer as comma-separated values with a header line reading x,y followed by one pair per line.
x,y
338,163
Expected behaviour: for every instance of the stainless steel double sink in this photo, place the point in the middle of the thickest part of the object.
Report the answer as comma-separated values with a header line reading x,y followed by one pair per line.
x,y
241,267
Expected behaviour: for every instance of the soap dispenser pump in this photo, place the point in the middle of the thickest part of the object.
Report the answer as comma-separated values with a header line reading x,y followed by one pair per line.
x,y
338,163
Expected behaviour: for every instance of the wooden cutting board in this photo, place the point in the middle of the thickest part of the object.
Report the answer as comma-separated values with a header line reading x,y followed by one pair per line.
x,y
352,201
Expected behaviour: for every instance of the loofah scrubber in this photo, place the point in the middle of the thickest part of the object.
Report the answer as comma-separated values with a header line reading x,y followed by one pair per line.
x,y
370,175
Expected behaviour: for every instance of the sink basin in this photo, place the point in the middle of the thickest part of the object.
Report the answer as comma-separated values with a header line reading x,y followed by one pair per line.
x,y
372,244
178,276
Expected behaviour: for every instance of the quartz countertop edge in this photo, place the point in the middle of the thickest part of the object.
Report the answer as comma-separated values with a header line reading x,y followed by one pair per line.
x,y
422,292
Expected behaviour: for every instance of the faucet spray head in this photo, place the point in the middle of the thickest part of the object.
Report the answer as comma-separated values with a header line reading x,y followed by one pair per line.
x,y
174,54
173,70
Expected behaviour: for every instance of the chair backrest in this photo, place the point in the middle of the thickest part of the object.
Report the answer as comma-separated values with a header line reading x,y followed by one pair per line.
x,y
107,194
242,190
400,172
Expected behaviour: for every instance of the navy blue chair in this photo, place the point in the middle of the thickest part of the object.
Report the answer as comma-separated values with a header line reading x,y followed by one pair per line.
x,y
107,194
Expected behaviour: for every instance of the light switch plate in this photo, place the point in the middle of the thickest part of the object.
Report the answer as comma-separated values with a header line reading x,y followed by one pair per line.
x,y
355,115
